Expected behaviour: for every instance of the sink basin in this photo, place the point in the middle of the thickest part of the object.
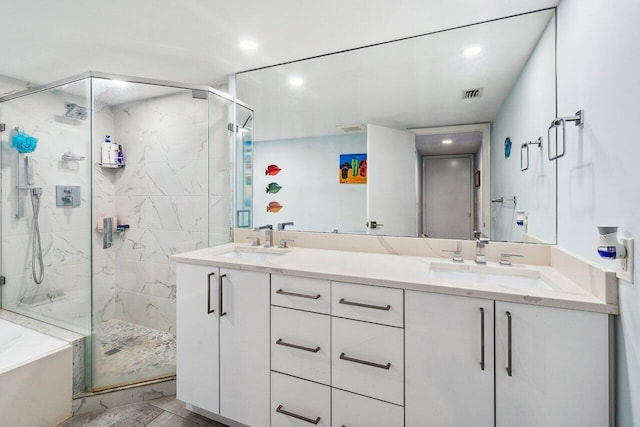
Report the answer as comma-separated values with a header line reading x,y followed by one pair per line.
x,y
509,277
254,254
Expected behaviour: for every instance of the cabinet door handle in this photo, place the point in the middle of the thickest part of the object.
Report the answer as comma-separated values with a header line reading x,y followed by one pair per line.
x,y
209,310
295,294
482,338
364,362
220,310
300,417
359,304
509,366
299,347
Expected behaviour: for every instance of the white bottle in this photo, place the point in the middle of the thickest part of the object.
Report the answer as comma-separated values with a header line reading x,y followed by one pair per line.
x,y
113,155
106,151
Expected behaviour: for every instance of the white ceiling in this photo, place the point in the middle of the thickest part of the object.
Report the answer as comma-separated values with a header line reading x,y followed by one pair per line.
x,y
196,41
406,84
461,143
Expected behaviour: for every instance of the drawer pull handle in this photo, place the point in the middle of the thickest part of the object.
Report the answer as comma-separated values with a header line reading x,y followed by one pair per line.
x,y
299,347
300,417
359,304
482,338
364,362
509,366
295,294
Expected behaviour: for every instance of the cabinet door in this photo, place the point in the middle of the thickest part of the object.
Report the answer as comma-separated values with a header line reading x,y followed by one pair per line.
x,y
244,347
559,370
197,335
445,381
368,359
349,409
301,344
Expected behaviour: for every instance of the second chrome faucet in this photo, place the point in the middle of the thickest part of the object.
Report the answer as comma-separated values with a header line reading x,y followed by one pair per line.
x,y
481,241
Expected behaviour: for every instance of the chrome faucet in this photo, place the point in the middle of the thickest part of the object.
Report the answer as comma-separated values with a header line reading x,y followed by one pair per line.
x,y
268,234
282,225
481,241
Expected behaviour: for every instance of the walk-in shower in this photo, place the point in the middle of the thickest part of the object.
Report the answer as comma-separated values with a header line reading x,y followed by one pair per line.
x,y
167,188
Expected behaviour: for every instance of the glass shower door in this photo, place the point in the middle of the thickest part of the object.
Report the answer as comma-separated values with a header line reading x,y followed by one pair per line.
x,y
46,191
155,205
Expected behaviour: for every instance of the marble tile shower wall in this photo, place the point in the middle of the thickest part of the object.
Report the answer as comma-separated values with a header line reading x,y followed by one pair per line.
x,y
162,195
65,243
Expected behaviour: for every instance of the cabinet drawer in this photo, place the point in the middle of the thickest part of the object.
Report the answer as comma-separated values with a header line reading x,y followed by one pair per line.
x,y
368,359
301,344
301,293
369,303
296,402
352,410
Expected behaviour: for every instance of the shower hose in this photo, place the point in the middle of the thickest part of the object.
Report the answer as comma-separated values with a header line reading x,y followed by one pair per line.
x,y
36,251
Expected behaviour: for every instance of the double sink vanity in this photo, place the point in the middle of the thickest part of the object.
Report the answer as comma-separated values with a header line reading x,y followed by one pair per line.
x,y
301,335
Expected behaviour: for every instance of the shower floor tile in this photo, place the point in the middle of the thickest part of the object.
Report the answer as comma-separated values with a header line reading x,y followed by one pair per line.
x,y
127,352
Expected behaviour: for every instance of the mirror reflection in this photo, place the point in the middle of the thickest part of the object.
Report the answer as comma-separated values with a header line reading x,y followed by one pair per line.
x,y
417,137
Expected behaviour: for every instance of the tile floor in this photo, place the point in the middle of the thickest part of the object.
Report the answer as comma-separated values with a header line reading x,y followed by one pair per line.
x,y
164,412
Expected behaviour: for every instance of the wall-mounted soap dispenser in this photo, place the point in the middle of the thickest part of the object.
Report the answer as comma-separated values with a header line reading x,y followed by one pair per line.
x,y
610,246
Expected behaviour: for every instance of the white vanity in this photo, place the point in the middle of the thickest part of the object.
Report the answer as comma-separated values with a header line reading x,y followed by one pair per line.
x,y
288,337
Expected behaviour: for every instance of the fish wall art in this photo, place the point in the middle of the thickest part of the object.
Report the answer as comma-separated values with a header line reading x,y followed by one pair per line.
x,y
274,207
273,188
272,170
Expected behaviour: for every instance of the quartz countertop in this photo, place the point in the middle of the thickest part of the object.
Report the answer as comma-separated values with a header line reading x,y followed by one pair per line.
x,y
404,272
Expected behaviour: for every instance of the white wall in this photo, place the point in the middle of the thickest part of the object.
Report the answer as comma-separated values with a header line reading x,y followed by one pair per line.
x,y
598,70
311,194
525,116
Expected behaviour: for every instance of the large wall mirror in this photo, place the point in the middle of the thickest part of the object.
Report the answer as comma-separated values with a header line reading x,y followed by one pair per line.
x,y
434,135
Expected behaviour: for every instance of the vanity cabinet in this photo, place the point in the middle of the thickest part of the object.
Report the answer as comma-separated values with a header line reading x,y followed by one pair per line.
x,y
448,360
551,365
223,341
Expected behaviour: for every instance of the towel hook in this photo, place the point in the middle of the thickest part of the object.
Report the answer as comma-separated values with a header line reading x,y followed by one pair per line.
x,y
578,120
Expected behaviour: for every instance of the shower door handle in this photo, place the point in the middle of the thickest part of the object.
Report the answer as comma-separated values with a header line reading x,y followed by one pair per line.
x,y
221,312
107,232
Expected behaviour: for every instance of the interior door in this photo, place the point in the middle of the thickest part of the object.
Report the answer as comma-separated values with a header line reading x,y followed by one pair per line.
x,y
391,182
447,197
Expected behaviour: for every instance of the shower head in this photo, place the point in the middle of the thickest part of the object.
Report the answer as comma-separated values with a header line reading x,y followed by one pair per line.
x,y
75,111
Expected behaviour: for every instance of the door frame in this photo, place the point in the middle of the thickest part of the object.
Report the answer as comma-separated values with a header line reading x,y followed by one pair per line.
x,y
472,204
485,128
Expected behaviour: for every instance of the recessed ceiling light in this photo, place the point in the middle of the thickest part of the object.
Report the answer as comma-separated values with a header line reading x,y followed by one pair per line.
x,y
472,50
447,141
296,81
248,45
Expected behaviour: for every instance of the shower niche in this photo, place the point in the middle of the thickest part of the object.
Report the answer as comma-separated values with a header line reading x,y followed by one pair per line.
x,y
174,195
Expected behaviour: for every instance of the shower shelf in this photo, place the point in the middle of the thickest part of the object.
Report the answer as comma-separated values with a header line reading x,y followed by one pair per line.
x,y
110,165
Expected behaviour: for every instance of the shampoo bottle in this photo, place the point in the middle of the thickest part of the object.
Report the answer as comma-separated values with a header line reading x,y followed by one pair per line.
x,y
120,159
113,155
106,151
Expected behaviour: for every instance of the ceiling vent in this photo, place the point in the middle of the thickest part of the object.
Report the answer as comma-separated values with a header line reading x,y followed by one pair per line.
x,y
472,93
358,127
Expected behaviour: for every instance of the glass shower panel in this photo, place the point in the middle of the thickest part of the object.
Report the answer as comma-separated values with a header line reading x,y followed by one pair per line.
x,y
46,210
155,205
244,167
220,170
